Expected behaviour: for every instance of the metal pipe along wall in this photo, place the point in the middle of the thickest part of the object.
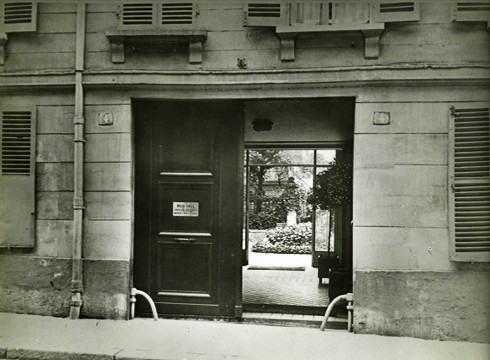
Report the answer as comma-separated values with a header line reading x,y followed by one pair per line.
x,y
79,141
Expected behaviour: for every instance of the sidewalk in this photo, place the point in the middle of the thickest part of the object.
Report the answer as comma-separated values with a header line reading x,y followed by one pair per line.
x,y
37,337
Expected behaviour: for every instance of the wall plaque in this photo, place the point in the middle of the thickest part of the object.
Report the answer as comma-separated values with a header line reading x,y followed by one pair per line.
x,y
105,118
185,209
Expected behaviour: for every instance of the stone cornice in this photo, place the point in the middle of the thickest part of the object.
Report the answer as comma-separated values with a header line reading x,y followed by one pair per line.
x,y
387,75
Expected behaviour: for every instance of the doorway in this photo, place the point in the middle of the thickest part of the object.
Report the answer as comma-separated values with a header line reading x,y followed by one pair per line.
x,y
280,164
284,234
189,250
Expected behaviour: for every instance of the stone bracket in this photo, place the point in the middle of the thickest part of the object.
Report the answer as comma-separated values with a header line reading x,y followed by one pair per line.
x,y
287,46
117,49
3,48
120,38
371,43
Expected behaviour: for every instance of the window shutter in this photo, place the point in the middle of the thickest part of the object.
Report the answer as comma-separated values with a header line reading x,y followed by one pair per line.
x,y
17,174
469,195
350,13
471,11
137,15
309,13
394,11
155,15
18,16
265,14
179,14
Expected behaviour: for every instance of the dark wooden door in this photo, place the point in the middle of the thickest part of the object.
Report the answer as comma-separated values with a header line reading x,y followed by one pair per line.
x,y
188,206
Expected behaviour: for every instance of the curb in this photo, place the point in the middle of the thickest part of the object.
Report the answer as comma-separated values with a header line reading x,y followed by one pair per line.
x,y
28,354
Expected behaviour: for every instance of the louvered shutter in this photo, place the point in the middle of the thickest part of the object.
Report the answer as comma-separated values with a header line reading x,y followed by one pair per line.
x,y
178,14
157,15
17,174
471,11
469,194
394,11
18,16
265,14
137,15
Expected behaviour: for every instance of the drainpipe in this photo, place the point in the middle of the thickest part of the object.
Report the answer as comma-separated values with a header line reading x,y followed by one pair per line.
x,y
78,200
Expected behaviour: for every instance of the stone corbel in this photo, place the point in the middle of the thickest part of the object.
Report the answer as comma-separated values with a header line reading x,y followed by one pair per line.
x,y
371,43
287,46
117,49
3,48
195,52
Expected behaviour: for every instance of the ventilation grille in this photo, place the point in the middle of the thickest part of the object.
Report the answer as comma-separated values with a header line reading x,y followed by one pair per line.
x,y
396,7
471,180
177,13
264,10
137,14
473,6
18,13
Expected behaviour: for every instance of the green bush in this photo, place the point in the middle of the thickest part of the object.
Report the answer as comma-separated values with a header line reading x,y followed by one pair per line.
x,y
275,209
294,239
263,220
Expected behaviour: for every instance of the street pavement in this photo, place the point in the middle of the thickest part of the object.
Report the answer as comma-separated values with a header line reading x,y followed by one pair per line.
x,y
41,337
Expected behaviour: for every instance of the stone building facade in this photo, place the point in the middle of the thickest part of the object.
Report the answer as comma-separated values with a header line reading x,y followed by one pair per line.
x,y
92,92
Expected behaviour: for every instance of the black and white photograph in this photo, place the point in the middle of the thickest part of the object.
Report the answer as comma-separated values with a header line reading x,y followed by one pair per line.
x,y
249,180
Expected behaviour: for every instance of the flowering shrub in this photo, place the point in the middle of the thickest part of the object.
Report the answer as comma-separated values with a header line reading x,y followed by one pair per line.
x,y
294,239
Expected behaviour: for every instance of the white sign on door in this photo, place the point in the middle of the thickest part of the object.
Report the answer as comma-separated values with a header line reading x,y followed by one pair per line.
x,y
186,209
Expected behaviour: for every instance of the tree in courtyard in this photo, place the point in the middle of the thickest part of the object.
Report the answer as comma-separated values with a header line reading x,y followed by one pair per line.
x,y
332,189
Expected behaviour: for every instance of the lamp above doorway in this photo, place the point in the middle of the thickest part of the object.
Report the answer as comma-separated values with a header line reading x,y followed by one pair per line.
x,y
262,124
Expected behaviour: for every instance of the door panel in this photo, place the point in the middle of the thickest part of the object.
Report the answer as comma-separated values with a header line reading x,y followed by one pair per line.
x,y
191,267
187,144
188,206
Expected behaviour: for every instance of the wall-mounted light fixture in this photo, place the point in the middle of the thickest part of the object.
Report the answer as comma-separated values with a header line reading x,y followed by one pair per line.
x,y
262,124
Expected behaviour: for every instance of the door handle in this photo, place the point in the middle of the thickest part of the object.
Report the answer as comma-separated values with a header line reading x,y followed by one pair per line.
x,y
183,239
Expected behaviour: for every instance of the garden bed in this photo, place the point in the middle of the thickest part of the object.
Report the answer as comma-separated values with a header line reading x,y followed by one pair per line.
x,y
294,239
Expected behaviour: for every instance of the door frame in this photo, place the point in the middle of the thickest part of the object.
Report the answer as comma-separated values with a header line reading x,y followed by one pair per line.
x,y
221,92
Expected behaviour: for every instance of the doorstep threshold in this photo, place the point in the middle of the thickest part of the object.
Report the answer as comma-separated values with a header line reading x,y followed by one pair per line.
x,y
294,320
